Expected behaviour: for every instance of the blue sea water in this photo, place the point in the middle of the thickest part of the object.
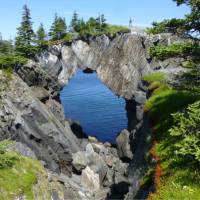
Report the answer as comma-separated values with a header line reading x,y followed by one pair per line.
x,y
87,100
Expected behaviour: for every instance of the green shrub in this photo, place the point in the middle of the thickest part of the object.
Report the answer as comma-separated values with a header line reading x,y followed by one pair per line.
x,y
162,52
113,29
187,132
11,60
7,159
166,26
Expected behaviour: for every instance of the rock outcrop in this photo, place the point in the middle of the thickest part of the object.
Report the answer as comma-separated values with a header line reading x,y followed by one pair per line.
x,y
119,63
124,146
26,119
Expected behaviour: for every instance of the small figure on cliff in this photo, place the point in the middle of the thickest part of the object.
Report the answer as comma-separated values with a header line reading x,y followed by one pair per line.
x,y
130,23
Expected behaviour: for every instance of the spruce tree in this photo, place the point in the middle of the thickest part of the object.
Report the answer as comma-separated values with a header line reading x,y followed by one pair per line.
x,y
58,29
74,21
25,39
41,36
103,22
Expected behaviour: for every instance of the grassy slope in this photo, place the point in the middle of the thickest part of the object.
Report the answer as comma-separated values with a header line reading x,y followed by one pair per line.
x,y
178,180
18,175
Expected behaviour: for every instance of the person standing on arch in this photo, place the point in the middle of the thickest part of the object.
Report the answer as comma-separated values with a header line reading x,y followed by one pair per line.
x,y
131,25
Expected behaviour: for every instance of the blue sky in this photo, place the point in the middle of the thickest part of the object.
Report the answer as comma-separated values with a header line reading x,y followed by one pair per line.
x,y
119,12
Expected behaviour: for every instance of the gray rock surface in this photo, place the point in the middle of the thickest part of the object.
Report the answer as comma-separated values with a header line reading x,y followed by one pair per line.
x,y
80,160
123,145
90,179
120,63
27,120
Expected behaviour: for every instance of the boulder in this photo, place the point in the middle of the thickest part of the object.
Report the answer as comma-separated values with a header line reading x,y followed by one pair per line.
x,y
98,147
123,145
109,178
97,160
90,179
92,139
89,149
80,160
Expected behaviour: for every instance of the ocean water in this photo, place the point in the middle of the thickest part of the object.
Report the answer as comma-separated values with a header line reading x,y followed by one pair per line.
x,y
87,100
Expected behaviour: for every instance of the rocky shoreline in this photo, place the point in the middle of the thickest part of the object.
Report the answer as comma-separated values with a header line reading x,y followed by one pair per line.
x,y
31,115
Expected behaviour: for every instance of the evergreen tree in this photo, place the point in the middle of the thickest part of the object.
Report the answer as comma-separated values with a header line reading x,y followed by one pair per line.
x,y
24,41
103,23
6,46
58,29
189,26
41,36
91,25
74,21
98,23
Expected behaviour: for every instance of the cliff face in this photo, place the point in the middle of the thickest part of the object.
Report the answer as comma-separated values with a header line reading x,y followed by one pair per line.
x,y
26,119
119,63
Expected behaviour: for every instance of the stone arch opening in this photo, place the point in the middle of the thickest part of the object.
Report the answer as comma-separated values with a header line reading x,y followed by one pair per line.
x,y
98,110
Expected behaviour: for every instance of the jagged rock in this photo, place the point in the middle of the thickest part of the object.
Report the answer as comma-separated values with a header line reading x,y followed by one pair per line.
x,y
97,160
89,149
102,194
22,149
56,108
80,160
41,93
29,121
92,139
98,147
90,179
123,145
107,144
109,178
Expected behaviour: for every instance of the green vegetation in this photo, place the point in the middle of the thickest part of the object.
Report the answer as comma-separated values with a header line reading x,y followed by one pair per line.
x,y
25,39
28,42
58,29
94,26
179,176
18,174
12,60
154,77
189,26
7,159
175,111
41,37
162,52
187,133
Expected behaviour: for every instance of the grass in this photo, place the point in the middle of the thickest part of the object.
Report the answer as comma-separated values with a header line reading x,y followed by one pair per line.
x,y
165,102
178,179
18,178
113,29
155,77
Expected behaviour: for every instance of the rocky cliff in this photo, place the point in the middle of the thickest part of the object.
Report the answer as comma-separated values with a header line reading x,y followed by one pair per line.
x,y
32,115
